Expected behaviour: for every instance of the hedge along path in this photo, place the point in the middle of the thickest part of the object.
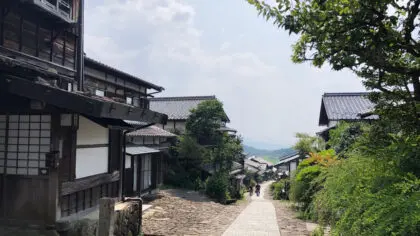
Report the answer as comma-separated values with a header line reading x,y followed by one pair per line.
x,y
258,218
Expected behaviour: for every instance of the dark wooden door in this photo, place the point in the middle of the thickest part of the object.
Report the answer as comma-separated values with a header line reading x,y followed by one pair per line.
x,y
129,177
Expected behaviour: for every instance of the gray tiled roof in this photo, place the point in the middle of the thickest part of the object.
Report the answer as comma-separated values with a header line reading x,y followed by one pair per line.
x,y
261,160
177,108
151,131
344,106
254,164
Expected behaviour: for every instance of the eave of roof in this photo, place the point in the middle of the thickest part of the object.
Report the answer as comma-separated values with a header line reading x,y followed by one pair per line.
x,y
295,157
122,73
183,98
79,103
151,131
139,150
227,129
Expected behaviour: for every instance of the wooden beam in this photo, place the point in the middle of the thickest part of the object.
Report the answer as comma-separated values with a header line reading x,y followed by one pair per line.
x,y
22,57
2,12
20,33
53,177
64,47
37,40
88,182
93,145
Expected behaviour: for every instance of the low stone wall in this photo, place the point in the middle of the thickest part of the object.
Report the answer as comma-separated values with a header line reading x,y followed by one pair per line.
x,y
117,219
128,219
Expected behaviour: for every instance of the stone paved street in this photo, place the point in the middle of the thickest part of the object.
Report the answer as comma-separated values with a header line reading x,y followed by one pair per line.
x,y
258,218
182,212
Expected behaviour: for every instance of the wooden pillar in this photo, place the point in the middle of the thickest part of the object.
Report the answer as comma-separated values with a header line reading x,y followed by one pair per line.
x,y
53,208
139,174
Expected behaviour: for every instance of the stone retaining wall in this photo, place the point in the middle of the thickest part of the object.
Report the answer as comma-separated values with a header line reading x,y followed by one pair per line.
x,y
117,219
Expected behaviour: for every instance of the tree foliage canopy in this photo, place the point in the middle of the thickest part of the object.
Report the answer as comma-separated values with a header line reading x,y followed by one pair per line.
x,y
205,120
377,39
307,144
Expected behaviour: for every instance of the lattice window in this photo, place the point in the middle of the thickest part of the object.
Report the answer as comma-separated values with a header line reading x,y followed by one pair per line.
x,y
25,139
2,142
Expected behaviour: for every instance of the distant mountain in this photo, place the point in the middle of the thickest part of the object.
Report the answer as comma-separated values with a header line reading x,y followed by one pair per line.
x,y
271,155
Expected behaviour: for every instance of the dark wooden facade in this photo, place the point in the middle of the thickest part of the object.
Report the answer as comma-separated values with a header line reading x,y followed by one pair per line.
x,y
41,102
43,42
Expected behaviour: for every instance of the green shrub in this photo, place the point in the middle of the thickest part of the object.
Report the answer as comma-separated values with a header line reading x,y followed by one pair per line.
x,y
319,231
217,187
308,180
369,196
280,189
304,185
199,184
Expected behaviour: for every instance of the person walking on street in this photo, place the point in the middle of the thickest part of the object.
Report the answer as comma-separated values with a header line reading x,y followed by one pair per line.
x,y
251,190
257,189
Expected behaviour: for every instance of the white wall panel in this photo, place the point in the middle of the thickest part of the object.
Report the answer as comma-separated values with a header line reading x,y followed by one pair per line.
x,y
293,165
91,161
169,125
180,125
91,133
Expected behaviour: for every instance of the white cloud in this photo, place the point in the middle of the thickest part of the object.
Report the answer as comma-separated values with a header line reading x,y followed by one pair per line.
x,y
160,39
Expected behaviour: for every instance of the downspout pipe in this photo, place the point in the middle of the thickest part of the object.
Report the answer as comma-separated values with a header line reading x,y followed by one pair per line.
x,y
122,166
80,52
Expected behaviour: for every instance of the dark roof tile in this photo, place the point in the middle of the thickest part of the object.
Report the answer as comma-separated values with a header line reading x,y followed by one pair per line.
x,y
344,106
151,131
177,108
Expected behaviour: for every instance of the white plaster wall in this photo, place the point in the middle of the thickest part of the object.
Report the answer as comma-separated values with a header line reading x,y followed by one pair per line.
x,y
332,123
169,125
180,125
91,161
91,133
293,165
127,161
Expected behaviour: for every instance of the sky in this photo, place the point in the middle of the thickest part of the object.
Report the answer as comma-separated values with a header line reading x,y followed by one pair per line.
x,y
218,47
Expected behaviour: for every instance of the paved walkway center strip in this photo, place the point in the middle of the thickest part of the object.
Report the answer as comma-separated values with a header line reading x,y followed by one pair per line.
x,y
258,218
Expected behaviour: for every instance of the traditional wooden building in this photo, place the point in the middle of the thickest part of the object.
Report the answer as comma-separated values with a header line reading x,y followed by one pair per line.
x,y
63,117
350,107
146,159
178,110
288,163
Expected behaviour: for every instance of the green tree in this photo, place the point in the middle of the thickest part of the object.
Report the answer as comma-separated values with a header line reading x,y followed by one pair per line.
x,y
307,144
345,135
229,150
190,153
204,122
376,39
204,143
